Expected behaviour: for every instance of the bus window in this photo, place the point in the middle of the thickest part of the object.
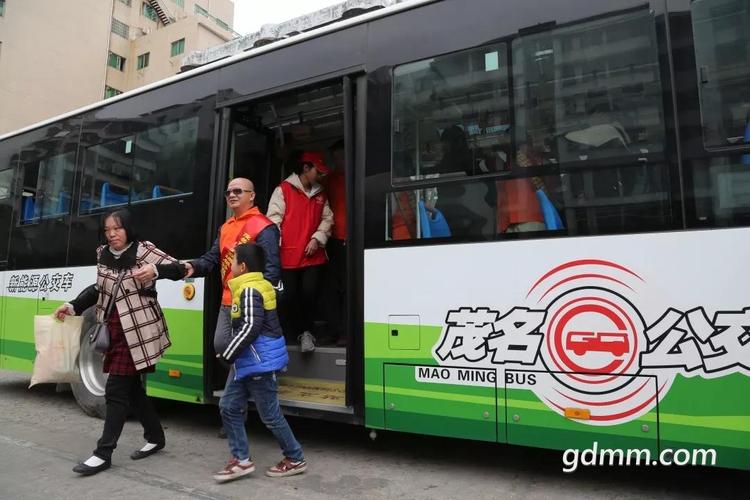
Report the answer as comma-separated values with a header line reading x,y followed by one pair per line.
x,y
590,91
451,115
721,32
6,183
47,187
503,206
164,160
56,176
29,195
106,176
720,193
588,101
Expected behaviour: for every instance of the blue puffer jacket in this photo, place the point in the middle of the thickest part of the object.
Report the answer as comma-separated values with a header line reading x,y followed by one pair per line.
x,y
257,344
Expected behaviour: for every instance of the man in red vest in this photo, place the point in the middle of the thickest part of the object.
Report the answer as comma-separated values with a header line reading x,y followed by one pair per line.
x,y
299,206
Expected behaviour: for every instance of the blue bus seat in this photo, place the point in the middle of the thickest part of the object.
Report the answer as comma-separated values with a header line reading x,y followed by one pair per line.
x,y
63,203
433,223
110,198
27,209
424,221
551,216
84,206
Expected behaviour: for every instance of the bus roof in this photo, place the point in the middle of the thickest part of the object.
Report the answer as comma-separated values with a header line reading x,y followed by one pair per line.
x,y
247,54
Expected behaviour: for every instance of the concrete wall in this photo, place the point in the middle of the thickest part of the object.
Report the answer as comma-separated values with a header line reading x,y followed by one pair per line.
x,y
54,53
48,63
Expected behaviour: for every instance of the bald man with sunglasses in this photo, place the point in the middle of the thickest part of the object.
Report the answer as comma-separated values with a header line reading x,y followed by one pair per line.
x,y
246,224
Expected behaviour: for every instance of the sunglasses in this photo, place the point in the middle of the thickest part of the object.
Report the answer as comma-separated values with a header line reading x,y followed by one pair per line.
x,y
236,192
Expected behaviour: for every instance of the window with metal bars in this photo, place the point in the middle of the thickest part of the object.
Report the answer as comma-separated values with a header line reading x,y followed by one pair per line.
x,y
120,28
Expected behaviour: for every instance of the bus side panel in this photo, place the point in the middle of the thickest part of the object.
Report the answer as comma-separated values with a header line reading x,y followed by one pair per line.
x,y
533,423
708,414
179,373
631,344
31,292
397,399
18,334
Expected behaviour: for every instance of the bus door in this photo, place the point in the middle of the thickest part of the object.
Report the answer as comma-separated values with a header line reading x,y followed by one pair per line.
x,y
267,137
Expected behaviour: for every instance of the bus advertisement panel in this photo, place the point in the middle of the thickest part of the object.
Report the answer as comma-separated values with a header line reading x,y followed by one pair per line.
x,y
623,339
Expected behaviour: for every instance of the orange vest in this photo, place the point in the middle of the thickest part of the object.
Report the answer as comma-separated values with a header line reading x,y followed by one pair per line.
x,y
234,231
517,203
404,218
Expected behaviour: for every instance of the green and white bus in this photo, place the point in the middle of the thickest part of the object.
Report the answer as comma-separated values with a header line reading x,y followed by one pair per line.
x,y
547,214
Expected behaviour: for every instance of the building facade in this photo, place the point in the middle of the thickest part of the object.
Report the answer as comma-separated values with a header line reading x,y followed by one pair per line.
x,y
54,58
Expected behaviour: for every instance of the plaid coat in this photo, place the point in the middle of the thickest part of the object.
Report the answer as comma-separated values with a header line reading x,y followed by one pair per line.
x,y
140,314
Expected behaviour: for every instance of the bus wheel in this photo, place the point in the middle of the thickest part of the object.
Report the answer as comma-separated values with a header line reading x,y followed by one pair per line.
x,y
89,392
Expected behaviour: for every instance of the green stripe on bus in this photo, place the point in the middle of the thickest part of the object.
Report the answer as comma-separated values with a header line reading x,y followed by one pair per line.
x,y
18,349
738,423
166,391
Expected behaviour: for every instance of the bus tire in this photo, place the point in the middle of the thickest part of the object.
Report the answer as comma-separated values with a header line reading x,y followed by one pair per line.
x,y
89,391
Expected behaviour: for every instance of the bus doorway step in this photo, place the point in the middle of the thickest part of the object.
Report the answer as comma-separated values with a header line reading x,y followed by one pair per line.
x,y
312,394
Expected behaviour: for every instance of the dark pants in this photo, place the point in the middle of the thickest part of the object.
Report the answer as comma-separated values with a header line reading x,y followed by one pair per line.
x,y
335,295
299,300
122,393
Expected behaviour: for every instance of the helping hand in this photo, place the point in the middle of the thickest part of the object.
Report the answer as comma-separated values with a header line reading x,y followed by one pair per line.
x,y
145,274
189,268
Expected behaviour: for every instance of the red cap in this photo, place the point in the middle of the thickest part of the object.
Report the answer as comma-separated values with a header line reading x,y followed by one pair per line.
x,y
316,159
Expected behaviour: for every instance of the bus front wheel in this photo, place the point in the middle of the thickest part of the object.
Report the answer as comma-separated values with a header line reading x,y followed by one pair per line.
x,y
89,391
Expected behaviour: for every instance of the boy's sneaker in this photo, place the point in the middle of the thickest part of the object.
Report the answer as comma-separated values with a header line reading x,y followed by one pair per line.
x,y
234,470
306,342
287,468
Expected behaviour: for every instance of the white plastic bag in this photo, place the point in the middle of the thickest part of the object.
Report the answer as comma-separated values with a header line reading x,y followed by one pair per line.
x,y
57,345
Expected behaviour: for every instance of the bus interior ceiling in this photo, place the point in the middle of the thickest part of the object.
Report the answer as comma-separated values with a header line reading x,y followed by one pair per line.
x,y
267,137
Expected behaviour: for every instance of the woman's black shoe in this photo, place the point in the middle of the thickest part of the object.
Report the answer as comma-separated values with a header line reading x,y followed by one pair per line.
x,y
88,470
138,454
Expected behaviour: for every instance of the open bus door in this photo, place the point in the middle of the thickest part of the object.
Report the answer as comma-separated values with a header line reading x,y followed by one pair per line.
x,y
264,137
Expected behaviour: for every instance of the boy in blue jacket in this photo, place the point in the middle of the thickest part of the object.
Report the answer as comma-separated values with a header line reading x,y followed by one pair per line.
x,y
257,351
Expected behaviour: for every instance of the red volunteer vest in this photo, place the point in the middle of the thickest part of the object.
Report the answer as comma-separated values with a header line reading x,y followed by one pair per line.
x,y
301,219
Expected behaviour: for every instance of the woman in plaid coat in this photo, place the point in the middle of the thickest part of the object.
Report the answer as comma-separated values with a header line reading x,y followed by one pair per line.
x,y
138,332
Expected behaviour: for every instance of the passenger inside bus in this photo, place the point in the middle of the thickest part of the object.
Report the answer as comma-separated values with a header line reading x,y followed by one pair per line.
x,y
461,204
518,208
270,136
335,278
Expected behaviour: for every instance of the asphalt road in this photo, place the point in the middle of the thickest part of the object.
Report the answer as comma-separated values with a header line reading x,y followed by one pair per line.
x,y
43,434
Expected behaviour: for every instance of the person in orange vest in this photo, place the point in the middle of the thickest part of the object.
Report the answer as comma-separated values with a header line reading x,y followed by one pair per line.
x,y
299,207
335,183
247,224
518,208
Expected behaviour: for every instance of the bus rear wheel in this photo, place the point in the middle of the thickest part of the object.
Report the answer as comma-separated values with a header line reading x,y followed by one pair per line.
x,y
89,392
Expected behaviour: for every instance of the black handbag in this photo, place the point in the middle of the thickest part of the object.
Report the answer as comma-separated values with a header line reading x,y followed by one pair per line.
x,y
99,332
